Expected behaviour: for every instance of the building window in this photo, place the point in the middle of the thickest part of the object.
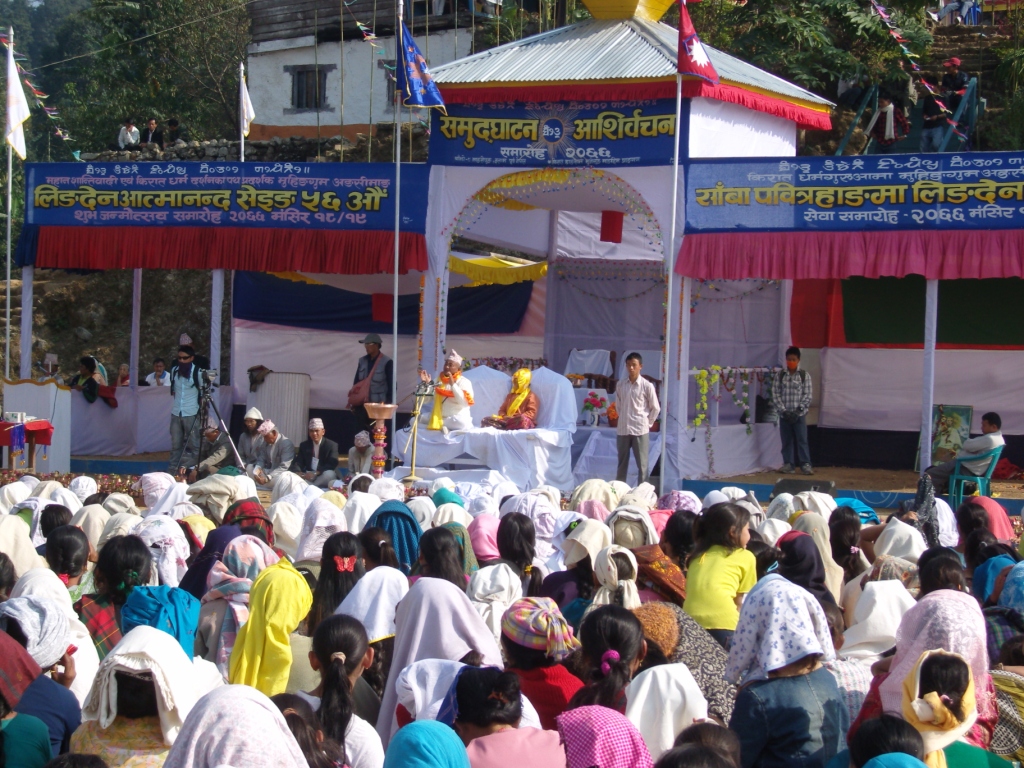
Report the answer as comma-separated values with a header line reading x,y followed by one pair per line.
x,y
309,88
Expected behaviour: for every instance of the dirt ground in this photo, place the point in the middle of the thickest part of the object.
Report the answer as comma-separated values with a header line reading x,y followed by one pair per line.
x,y
875,480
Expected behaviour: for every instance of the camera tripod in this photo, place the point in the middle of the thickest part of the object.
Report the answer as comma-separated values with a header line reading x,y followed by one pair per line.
x,y
206,402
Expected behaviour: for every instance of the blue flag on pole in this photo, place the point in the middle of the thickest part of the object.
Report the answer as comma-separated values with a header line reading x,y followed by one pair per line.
x,y
417,87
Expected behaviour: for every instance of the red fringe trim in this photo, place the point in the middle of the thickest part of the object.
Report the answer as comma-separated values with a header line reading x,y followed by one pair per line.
x,y
254,249
935,254
804,117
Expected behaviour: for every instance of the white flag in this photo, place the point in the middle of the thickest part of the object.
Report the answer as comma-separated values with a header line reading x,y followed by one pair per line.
x,y
246,113
17,106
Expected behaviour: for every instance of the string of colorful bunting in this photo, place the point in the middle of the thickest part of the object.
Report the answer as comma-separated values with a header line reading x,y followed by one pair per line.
x,y
38,95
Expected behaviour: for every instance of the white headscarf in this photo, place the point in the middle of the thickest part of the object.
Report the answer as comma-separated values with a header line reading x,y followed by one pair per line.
x,y
503,489
451,513
29,481
442,482
492,590
120,502
168,545
552,494
356,477
178,680
771,530
587,538
153,485
661,702
42,582
234,727
733,492
537,508
44,624
482,505
120,524
321,520
16,544
876,618
44,490
387,489
781,507
644,496
35,505
91,520
67,498
83,487
620,488
948,536
611,581
712,498
423,685
11,494
779,624
373,601
287,522
359,509
173,494
433,603
423,508
287,482
253,413
631,527
815,501
900,540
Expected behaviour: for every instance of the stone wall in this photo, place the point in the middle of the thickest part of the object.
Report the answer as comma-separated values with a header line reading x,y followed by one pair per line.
x,y
378,148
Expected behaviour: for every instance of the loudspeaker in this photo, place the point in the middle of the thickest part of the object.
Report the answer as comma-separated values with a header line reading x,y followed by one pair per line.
x,y
793,485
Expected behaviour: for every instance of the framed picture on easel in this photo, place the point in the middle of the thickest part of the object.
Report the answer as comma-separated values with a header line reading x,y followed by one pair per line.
x,y
951,428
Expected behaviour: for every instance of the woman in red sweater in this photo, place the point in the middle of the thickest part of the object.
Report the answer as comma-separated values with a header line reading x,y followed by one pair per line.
x,y
536,638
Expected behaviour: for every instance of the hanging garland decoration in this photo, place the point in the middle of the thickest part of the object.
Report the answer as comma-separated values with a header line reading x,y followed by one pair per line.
x,y
896,33
700,286
38,96
615,300
730,379
703,377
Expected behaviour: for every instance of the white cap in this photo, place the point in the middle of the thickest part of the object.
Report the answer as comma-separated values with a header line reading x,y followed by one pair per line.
x,y
253,413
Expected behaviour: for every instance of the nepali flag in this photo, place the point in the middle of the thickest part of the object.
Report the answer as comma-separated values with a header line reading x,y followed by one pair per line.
x,y
693,58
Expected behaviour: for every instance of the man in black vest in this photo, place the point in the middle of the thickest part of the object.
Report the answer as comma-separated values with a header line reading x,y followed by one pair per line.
x,y
317,458
380,385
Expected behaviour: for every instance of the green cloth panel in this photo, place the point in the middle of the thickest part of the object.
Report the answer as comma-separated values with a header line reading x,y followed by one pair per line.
x,y
890,310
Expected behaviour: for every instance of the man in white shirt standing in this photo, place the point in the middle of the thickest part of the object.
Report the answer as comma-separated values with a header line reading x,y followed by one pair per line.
x,y
991,437
159,377
638,407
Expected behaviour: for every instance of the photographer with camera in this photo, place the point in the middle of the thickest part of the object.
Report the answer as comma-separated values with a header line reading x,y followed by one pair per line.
x,y
187,385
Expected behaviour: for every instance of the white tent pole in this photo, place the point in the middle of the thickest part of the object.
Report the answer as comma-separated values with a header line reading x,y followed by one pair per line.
x,y
670,262
216,312
7,324
399,61
133,351
931,322
241,113
27,274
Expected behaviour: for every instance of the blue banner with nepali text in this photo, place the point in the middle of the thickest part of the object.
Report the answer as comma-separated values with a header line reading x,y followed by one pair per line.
x,y
871,192
574,134
280,195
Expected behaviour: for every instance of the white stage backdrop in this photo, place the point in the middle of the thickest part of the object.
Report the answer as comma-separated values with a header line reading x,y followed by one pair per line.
x,y
45,401
881,388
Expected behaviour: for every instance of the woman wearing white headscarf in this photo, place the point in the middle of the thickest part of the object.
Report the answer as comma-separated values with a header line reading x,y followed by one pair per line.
x,y
287,522
631,527
387,489
900,540
423,508
116,503
815,526
712,498
164,504
551,493
644,496
815,501
373,601
91,520
876,618
45,489
16,544
540,511
359,509
42,582
287,482
321,521
159,683
153,485
615,570
781,507
492,590
31,511
482,505
451,513
661,702
433,603
771,530
233,727
67,498
11,494
168,545
120,524
83,487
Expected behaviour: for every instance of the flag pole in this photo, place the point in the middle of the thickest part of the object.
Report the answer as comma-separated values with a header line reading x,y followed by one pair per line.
x,y
399,49
241,111
7,314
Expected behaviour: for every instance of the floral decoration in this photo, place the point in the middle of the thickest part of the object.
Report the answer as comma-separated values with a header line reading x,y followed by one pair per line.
x,y
595,402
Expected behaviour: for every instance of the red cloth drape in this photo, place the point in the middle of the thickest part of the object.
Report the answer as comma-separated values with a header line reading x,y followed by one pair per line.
x,y
938,255
256,249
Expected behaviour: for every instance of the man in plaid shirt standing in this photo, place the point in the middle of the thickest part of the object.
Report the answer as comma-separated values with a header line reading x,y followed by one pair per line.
x,y
791,396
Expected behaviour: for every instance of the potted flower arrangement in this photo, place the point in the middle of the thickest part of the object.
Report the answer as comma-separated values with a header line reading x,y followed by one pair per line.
x,y
593,405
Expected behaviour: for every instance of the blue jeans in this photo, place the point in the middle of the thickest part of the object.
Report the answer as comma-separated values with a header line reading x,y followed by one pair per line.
x,y
790,722
184,454
963,7
794,441
931,139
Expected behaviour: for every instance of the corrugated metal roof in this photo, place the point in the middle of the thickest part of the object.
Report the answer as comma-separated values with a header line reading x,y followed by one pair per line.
x,y
602,49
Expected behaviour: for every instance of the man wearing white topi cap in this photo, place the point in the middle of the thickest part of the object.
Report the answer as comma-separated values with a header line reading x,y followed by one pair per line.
x,y
317,459
276,456
453,395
